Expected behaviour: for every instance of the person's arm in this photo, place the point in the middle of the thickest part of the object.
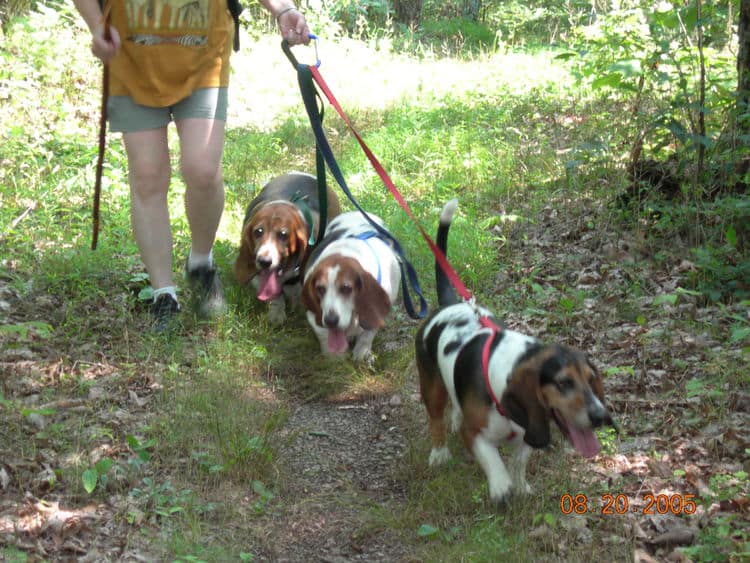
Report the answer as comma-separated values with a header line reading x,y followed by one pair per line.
x,y
103,48
291,22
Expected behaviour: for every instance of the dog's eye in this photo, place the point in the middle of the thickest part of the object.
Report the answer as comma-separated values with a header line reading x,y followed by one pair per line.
x,y
257,233
320,290
345,289
283,234
565,385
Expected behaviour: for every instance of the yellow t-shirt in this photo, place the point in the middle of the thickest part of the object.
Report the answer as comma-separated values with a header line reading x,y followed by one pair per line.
x,y
170,48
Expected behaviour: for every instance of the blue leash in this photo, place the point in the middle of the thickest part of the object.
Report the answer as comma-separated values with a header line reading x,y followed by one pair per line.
x,y
309,94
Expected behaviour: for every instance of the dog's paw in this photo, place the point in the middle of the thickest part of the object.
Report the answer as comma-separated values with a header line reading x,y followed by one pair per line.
x,y
500,490
439,456
276,312
457,418
500,496
522,488
276,317
363,356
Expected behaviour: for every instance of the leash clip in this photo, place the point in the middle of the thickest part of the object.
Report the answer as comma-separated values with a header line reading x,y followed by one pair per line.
x,y
315,44
472,302
292,59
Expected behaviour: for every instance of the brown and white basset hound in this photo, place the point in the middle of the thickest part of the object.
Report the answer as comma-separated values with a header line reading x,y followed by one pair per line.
x,y
275,241
532,382
351,281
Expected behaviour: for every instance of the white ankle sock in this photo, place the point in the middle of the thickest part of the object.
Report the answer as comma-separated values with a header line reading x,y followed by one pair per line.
x,y
170,289
196,260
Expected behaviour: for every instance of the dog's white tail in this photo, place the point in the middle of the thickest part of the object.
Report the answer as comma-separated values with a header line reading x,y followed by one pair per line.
x,y
446,295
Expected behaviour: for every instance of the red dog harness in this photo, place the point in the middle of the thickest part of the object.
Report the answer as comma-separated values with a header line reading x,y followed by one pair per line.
x,y
494,329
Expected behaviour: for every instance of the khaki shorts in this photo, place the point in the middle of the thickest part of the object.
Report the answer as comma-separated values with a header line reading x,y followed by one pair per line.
x,y
125,116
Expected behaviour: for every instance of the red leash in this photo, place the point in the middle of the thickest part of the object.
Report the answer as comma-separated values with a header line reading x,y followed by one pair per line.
x,y
439,255
442,260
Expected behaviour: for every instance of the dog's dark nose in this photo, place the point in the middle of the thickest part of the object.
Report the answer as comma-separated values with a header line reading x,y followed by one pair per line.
x,y
331,320
601,417
264,262
598,418
598,414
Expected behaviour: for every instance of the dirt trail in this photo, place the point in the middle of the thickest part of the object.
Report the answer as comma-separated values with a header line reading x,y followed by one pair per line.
x,y
341,460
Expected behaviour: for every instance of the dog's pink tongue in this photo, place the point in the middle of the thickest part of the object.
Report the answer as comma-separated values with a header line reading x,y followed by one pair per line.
x,y
269,285
337,343
584,441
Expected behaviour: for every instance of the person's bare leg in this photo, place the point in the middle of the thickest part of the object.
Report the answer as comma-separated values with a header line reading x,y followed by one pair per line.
x,y
149,173
201,148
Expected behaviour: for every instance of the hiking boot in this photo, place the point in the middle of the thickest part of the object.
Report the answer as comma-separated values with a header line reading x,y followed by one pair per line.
x,y
164,312
207,295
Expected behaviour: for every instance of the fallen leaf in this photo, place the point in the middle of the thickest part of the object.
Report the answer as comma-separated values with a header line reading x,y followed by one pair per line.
x,y
680,535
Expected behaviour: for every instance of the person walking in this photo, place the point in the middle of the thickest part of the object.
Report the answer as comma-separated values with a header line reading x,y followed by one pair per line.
x,y
169,61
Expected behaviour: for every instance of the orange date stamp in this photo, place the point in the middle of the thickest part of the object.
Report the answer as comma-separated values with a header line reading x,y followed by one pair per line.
x,y
618,504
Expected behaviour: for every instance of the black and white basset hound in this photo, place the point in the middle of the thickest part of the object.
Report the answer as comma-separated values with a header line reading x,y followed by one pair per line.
x,y
530,385
276,232
351,282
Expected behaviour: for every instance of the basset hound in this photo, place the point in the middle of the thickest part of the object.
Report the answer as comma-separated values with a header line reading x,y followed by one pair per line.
x,y
531,384
275,241
351,281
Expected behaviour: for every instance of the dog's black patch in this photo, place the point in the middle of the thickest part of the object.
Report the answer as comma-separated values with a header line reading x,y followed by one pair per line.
x,y
531,351
452,346
552,366
432,337
467,372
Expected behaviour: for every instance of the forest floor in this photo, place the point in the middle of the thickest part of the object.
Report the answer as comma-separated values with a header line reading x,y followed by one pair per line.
x,y
684,430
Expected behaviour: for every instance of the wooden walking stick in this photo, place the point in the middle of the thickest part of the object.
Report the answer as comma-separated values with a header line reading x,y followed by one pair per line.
x,y
102,136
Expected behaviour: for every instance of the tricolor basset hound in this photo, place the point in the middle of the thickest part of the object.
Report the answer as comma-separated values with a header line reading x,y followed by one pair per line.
x,y
351,281
276,232
533,383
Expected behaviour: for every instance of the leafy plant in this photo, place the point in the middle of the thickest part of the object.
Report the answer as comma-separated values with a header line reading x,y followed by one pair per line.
x,y
460,35
545,518
359,18
146,292
161,499
427,530
97,475
724,538
141,449
264,494
27,330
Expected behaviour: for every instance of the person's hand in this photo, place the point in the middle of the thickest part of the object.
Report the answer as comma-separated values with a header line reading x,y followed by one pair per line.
x,y
105,48
293,27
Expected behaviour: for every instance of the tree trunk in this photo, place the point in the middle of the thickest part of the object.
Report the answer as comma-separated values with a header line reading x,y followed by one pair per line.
x,y
742,123
471,9
743,66
407,12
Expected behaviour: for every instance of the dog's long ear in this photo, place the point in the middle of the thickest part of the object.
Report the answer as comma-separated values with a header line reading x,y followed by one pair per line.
x,y
334,207
310,300
244,266
523,402
371,302
298,241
